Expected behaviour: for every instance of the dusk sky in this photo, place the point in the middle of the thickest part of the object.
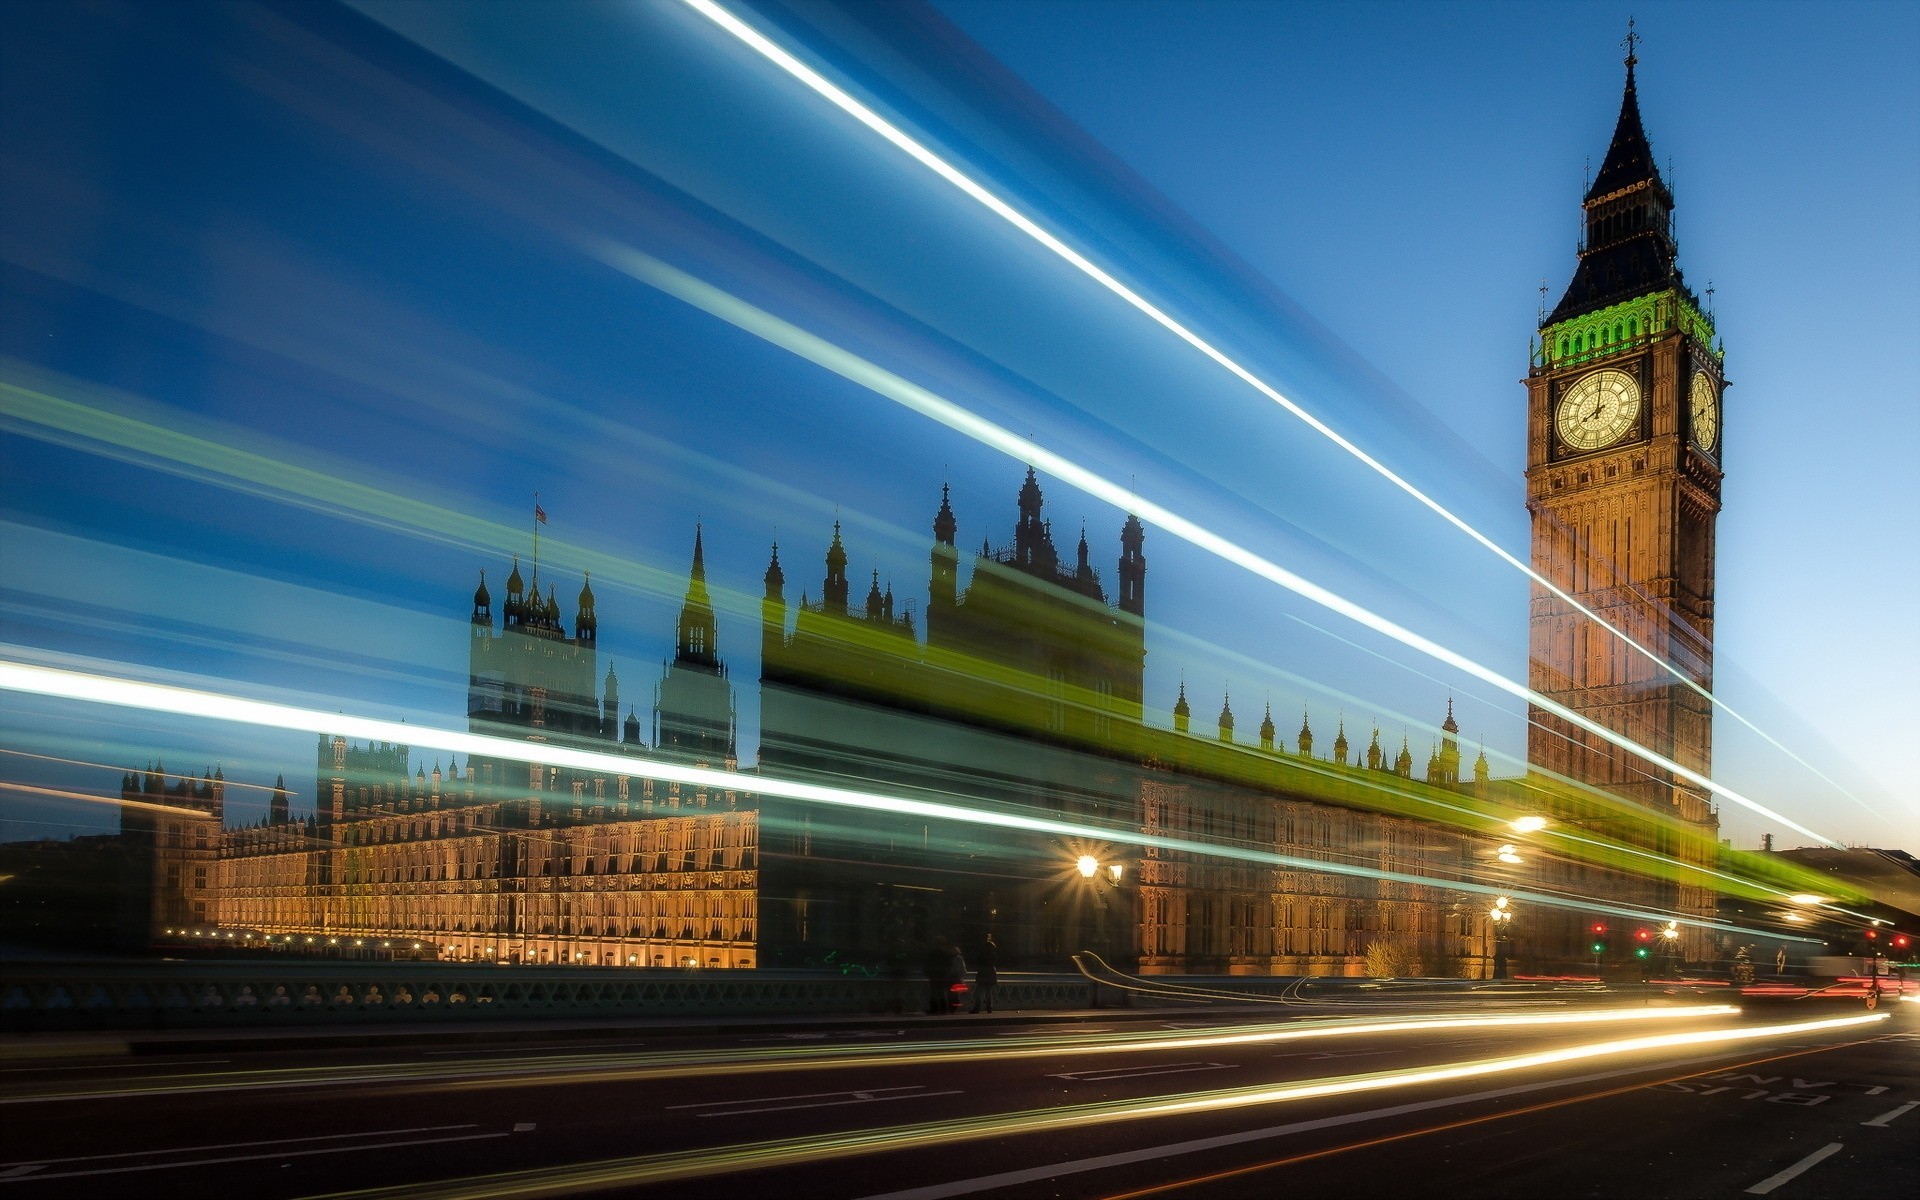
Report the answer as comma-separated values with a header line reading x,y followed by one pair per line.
x,y
300,306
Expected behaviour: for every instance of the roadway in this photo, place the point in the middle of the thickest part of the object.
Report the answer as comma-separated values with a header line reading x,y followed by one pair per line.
x,y
1568,1098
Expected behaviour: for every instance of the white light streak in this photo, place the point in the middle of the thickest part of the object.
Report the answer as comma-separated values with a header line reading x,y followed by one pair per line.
x,y
840,99
879,380
1492,1066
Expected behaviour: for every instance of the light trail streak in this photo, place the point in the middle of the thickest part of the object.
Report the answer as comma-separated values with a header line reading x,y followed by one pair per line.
x,y
666,1168
566,1070
168,698
94,798
80,762
256,474
898,138
1505,1114
848,365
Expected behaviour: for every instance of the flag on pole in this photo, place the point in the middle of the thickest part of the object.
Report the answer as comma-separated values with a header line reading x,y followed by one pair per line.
x,y
540,514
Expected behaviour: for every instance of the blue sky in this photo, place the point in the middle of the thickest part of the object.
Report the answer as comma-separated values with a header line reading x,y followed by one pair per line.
x,y
378,251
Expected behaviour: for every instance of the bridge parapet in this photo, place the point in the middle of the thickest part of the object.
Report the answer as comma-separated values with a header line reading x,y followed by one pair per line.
x,y
52,996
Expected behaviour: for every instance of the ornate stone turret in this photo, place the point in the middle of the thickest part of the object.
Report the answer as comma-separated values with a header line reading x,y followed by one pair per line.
x,y
833,593
1306,736
1266,730
1133,568
1182,712
1226,717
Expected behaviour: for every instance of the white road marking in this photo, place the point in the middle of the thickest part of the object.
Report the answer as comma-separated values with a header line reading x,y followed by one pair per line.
x,y
325,1137
850,1036
1887,1118
1050,1032
120,1066
1135,1072
523,1127
532,1051
964,1187
17,1172
234,1158
729,1108
1322,1055
1796,1170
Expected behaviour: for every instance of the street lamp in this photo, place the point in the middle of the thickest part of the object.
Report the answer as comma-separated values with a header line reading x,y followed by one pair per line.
x,y
1500,914
1527,824
1088,866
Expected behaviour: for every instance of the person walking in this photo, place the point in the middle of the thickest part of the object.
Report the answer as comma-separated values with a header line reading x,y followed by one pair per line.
x,y
986,975
956,979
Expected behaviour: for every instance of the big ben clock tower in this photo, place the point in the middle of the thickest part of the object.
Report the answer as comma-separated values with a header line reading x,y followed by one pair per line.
x,y
1624,439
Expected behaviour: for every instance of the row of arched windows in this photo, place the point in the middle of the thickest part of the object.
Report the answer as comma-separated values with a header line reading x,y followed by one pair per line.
x,y
1580,343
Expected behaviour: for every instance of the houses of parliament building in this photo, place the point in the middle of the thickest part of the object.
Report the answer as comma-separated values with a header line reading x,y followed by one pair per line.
x,y
1017,691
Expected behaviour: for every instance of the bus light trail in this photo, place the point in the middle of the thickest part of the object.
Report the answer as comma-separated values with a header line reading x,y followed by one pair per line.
x,y
839,98
693,1164
94,688
850,366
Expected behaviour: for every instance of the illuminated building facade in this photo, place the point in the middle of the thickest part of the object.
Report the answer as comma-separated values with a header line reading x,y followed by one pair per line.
x,y
499,859
1624,437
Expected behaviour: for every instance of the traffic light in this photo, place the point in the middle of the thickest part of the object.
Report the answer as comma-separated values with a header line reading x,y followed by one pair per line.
x,y
1900,941
1873,935
1599,931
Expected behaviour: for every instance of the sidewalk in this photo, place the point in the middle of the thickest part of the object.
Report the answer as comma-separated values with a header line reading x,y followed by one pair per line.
x,y
16,1047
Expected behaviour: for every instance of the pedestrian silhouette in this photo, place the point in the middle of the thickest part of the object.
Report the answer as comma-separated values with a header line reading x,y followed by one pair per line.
x,y
986,975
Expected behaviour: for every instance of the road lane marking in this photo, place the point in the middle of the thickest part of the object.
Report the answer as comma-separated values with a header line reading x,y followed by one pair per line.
x,y
1137,1072
1887,1118
535,1051
234,1158
1050,1032
1796,1170
117,1066
325,1137
730,1108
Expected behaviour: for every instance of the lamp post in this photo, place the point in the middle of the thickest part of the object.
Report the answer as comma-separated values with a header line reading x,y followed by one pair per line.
x,y
1501,914
1102,876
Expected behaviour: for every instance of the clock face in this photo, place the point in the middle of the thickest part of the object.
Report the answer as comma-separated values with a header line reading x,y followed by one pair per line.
x,y
1598,410
1704,404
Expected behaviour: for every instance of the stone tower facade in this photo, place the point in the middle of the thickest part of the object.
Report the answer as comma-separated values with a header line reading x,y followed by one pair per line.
x,y
1624,442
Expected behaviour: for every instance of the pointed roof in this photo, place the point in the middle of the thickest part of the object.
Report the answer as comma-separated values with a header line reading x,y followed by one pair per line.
x,y
1449,725
1180,706
944,525
1629,157
775,578
1622,258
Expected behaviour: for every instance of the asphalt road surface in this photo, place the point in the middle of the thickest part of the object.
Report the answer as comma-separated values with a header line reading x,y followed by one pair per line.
x,y
1563,1100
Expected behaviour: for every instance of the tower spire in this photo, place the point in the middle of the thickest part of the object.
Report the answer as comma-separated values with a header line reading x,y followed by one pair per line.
x,y
697,642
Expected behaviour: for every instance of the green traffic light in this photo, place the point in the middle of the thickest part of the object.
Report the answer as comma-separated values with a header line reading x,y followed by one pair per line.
x,y
1640,953
1599,947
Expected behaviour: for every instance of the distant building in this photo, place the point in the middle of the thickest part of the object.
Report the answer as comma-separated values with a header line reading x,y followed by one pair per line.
x,y
1025,696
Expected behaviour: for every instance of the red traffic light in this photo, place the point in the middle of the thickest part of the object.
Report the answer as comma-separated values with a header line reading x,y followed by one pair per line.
x,y
1599,928
1900,941
1872,934
1643,934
